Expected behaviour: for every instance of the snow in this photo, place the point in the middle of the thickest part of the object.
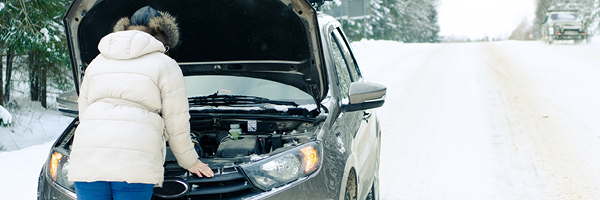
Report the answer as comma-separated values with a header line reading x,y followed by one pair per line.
x,y
32,125
467,121
18,180
46,35
5,116
1,6
490,120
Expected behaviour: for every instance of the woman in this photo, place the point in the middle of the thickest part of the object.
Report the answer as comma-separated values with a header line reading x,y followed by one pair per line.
x,y
131,101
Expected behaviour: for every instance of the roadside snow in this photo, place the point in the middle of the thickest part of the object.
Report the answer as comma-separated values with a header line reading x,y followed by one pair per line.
x,y
20,171
5,117
32,125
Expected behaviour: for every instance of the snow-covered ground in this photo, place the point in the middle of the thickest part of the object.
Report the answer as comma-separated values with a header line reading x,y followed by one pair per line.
x,y
31,125
499,120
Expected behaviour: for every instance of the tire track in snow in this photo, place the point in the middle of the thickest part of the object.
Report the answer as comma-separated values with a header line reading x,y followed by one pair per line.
x,y
543,137
438,144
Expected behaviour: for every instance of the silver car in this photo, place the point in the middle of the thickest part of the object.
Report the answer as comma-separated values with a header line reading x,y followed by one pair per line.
x,y
280,71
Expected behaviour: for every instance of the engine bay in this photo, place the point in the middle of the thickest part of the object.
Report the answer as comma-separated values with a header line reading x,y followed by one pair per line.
x,y
214,143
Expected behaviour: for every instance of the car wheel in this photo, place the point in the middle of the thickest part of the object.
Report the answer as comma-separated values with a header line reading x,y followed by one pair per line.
x,y
371,195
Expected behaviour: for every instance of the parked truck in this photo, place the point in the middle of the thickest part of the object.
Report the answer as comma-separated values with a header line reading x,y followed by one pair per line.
x,y
564,25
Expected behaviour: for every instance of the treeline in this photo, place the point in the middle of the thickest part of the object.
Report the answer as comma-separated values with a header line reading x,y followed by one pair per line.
x,y
399,20
32,42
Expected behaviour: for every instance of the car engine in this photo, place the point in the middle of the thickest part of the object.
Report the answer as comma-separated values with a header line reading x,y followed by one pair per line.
x,y
212,139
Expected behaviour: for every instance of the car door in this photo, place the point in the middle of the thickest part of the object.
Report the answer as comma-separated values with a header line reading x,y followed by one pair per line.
x,y
364,144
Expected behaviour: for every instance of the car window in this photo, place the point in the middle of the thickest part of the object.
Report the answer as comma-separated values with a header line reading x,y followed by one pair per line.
x,y
343,76
564,16
352,67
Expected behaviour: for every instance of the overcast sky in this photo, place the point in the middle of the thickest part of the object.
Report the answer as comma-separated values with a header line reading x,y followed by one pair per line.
x,y
480,18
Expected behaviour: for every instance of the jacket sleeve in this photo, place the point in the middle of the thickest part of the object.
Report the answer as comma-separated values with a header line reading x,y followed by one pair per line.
x,y
82,101
175,112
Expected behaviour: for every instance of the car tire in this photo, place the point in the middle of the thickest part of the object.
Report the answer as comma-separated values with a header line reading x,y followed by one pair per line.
x,y
348,195
588,40
372,194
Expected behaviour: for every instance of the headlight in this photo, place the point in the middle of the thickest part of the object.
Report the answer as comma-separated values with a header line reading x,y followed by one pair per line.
x,y
286,167
58,169
551,31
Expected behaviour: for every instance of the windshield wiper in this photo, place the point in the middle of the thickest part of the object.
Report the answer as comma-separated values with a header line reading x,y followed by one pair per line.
x,y
222,100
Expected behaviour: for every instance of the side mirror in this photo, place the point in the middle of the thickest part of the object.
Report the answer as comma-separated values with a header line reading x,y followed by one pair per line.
x,y
365,96
67,103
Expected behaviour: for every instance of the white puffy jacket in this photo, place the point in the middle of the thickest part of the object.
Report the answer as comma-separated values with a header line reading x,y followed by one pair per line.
x,y
132,99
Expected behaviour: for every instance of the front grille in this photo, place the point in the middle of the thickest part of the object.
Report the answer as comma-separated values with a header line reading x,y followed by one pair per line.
x,y
571,32
228,183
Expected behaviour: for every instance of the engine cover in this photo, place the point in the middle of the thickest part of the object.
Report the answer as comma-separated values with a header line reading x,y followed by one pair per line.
x,y
243,146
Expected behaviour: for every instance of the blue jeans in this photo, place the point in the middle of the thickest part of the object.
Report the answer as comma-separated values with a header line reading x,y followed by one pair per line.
x,y
103,190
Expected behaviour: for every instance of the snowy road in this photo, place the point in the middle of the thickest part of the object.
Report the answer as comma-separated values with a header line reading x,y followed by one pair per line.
x,y
501,120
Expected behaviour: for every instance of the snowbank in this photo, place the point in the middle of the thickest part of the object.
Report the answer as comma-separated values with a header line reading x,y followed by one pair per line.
x,y
5,116
31,124
20,177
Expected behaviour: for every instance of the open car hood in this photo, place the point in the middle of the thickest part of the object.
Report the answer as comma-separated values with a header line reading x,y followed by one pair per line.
x,y
270,39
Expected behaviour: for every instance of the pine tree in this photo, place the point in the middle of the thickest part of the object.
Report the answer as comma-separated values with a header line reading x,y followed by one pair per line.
x,y
399,20
34,28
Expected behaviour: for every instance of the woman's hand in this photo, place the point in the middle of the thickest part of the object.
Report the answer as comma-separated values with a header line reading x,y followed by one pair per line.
x,y
201,169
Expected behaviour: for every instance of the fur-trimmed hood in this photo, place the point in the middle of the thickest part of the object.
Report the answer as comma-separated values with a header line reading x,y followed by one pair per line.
x,y
159,24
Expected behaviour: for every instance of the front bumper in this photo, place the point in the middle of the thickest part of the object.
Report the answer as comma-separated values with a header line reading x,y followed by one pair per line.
x,y
50,190
304,188
569,36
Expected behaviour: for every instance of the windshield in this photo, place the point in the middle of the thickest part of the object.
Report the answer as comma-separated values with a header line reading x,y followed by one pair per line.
x,y
234,85
564,16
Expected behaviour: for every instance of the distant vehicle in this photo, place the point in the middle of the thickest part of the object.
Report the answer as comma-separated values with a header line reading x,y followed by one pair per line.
x,y
564,25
